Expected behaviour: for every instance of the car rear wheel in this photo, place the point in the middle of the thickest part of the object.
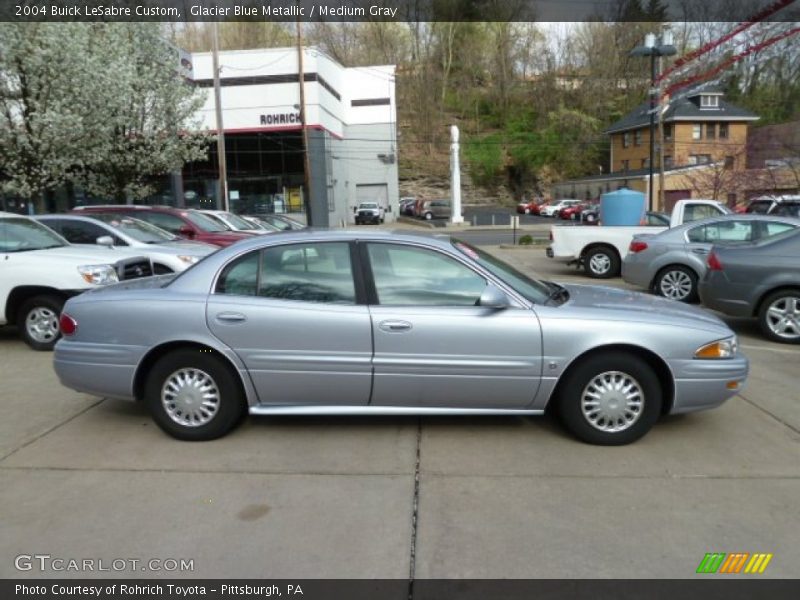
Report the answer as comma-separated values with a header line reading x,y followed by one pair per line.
x,y
428,216
677,283
193,395
38,321
601,263
610,399
779,316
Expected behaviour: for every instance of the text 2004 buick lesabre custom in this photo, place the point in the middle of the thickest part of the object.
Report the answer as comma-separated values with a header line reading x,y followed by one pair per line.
x,y
339,322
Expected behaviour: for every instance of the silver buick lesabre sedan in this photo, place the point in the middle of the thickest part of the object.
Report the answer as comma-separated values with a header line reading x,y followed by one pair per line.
x,y
387,323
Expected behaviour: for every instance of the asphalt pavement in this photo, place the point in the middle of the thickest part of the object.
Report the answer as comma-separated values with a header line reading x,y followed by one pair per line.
x,y
82,477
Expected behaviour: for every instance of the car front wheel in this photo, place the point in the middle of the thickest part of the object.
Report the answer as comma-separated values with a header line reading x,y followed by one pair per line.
x,y
601,263
38,321
428,216
610,399
779,316
193,395
677,283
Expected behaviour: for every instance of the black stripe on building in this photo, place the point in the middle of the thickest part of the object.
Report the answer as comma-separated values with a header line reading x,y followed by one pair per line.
x,y
270,79
371,102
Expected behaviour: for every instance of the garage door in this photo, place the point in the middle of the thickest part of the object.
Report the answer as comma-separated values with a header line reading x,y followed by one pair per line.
x,y
373,193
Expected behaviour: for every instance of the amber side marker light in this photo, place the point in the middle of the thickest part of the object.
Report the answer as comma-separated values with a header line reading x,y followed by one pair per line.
x,y
732,385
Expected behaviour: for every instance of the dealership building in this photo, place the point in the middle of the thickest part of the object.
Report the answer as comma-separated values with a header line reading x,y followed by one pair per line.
x,y
351,130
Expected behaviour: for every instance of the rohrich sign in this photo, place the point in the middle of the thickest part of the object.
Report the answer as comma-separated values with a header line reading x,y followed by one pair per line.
x,y
280,119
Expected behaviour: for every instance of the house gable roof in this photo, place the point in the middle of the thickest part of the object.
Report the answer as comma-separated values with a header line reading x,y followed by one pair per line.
x,y
683,109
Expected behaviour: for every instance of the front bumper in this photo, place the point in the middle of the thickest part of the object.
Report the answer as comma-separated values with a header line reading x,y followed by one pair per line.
x,y
703,384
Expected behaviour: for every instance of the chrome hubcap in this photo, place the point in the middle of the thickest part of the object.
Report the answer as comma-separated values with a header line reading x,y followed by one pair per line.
x,y
599,263
42,324
190,397
612,401
783,317
676,285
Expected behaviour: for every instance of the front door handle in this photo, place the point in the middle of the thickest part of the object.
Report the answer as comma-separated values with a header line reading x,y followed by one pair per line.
x,y
231,317
700,250
394,326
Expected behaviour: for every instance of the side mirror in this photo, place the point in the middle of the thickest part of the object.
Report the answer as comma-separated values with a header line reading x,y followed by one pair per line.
x,y
105,240
492,297
186,231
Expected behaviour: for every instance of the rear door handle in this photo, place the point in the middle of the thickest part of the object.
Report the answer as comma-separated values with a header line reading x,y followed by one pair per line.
x,y
231,317
394,326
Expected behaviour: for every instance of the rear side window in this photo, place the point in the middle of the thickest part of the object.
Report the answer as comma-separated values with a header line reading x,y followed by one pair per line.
x,y
299,272
724,231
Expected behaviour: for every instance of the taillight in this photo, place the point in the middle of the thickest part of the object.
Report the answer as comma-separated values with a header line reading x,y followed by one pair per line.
x,y
713,262
637,246
67,324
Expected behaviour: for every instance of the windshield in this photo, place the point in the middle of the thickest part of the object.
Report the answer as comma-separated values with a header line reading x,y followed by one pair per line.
x,y
239,223
21,234
136,229
533,289
367,205
205,222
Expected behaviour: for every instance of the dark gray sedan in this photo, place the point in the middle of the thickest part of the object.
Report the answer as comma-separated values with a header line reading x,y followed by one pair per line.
x,y
382,323
671,263
759,280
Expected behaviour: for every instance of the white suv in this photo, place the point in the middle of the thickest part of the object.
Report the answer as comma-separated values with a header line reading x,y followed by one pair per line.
x,y
552,210
40,270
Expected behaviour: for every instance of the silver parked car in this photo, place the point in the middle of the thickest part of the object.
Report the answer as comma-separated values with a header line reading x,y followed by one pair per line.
x,y
760,280
346,322
672,262
168,253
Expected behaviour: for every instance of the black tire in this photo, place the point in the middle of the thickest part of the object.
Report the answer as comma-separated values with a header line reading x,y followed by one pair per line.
x,y
588,371
230,406
781,300
159,269
43,333
676,282
382,220
601,262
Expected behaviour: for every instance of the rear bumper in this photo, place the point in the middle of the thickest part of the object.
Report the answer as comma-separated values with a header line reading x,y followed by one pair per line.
x,y
636,273
704,384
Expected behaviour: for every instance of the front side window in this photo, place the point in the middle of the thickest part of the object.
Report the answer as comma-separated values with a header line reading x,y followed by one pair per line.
x,y
787,209
141,231
21,234
411,276
165,221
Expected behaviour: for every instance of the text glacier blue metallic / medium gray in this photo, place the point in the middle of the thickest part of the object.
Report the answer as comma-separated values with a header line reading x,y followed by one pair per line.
x,y
376,322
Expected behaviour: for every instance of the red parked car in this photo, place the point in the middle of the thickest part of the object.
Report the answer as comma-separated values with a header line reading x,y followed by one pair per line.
x,y
530,208
571,213
184,222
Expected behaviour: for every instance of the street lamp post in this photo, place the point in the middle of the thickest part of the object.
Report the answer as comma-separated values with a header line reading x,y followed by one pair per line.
x,y
654,48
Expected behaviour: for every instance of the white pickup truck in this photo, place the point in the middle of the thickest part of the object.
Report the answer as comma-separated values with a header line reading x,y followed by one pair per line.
x,y
600,250
39,270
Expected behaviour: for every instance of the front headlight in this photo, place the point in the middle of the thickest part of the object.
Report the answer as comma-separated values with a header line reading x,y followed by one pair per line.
x,y
720,349
188,259
98,274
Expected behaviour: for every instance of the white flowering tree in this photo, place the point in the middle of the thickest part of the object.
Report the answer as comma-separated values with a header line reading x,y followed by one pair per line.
x,y
149,114
100,105
49,93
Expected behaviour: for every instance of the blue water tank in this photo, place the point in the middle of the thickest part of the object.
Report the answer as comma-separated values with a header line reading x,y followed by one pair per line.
x,y
623,207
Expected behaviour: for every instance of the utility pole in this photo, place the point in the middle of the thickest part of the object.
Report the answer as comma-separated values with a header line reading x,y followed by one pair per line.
x,y
455,177
221,160
306,161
